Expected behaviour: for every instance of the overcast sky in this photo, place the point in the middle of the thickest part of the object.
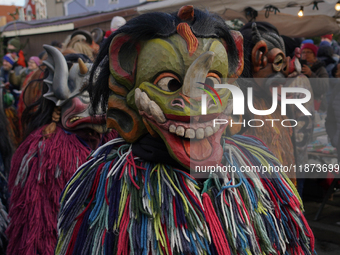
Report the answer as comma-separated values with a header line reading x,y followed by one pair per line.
x,y
12,2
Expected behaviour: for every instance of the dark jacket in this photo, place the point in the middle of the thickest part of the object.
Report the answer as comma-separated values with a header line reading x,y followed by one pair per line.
x,y
333,119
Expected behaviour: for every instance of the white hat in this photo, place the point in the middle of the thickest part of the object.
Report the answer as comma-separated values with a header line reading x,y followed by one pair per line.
x,y
117,22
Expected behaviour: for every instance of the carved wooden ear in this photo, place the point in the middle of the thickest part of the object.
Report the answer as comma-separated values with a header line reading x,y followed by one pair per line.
x,y
237,70
258,55
121,117
123,57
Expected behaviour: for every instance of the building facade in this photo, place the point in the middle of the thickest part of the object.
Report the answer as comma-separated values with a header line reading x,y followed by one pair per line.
x,y
5,14
43,9
84,6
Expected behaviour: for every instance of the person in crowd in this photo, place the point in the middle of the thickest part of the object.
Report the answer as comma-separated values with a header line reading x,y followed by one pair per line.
x,y
306,41
314,68
60,133
325,54
332,123
263,39
26,75
81,42
98,35
303,132
136,194
329,38
10,65
8,98
14,48
79,45
7,64
18,80
116,23
56,44
330,60
335,56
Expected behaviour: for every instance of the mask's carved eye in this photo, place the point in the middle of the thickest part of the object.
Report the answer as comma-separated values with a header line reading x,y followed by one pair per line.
x,y
278,63
212,78
168,82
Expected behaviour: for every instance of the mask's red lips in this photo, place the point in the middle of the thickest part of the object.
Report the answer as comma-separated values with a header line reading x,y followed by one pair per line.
x,y
94,120
192,152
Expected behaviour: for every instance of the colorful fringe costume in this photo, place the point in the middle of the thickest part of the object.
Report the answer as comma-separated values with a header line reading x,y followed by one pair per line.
x,y
118,204
40,170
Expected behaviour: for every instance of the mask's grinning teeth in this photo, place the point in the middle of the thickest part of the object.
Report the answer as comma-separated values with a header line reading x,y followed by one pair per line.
x,y
74,119
172,129
216,128
157,112
208,131
138,94
191,133
144,102
148,106
180,131
200,133
152,110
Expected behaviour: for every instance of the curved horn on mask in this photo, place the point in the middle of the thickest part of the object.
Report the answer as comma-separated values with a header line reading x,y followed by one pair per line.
x,y
256,36
58,75
196,74
82,67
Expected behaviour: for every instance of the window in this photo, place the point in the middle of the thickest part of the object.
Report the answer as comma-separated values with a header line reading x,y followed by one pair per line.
x,y
29,13
89,2
113,1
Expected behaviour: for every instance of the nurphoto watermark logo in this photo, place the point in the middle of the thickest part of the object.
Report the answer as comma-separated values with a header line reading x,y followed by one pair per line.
x,y
239,99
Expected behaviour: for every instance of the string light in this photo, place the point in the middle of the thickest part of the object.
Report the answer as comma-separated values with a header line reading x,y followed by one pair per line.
x,y
270,8
337,6
300,13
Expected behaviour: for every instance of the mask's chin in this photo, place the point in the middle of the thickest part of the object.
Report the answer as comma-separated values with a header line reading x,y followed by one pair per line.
x,y
203,150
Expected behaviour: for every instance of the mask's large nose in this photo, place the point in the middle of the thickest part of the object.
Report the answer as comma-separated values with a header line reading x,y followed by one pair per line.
x,y
197,73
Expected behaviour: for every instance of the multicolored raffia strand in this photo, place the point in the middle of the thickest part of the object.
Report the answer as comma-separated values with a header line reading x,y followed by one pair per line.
x,y
217,232
156,211
40,170
118,204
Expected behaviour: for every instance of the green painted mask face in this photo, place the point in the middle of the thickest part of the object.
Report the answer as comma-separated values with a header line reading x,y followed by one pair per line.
x,y
166,99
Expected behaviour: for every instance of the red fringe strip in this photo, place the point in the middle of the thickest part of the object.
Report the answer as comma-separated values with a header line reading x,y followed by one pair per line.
x,y
215,227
